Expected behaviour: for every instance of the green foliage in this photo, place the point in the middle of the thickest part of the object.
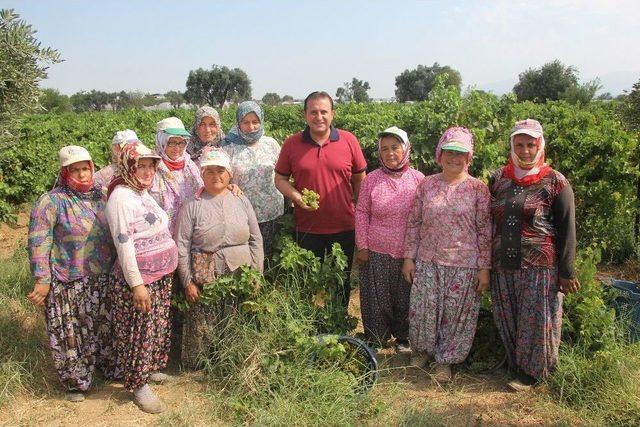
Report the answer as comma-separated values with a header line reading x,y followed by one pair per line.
x,y
631,107
175,98
271,98
54,102
216,86
415,85
23,64
354,91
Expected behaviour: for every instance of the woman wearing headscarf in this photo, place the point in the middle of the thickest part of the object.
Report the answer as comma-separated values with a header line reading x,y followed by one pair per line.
x,y
206,131
384,204
217,232
103,177
140,285
71,253
534,243
447,253
253,159
177,177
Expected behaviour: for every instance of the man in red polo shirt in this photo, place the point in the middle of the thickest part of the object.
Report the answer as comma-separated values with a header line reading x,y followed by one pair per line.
x,y
330,162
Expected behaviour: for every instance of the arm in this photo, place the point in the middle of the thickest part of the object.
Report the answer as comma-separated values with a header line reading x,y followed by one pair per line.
x,y
483,236
412,235
183,237
565,225
362,219
356,181
40,241
255,238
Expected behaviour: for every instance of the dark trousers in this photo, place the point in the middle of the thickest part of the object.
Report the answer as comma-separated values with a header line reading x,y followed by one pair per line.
x,y
320,244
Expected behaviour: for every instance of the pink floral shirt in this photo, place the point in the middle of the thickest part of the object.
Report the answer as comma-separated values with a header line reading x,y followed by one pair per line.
x,y
383,207
450,224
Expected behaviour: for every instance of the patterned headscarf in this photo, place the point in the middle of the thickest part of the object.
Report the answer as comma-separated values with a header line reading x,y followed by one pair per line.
x,y
162,140
195,145
236,135
128,160
457,136
521,172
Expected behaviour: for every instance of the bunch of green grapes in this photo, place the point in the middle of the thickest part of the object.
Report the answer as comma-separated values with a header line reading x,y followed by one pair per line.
x,y
310,198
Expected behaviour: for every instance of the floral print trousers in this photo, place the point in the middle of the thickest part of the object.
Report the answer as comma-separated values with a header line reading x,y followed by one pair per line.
x,y
141,341
73,314
443,311
384,298
527,309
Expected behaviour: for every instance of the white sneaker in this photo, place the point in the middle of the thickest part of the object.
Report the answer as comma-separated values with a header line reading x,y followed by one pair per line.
x,y
419,360
403,349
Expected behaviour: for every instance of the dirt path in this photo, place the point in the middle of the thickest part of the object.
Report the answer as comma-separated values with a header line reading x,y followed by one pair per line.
x,y
12,235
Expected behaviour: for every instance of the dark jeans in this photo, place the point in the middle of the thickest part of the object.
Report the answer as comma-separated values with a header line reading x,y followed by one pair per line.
x,y
320,244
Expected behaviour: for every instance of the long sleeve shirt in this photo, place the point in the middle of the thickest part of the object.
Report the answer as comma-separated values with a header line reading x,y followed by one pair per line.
x,y
140,231
534,225
68,237
450,224
225,226
384,205
172,188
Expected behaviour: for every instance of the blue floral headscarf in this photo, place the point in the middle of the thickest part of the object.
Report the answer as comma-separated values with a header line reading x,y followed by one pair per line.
x,y
235,135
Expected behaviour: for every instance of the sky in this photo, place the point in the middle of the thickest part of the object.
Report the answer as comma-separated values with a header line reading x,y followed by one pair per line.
x,y
294,47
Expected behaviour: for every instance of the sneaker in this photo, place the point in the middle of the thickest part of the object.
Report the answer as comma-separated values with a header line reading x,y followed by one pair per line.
x,y
403,348
419,360
75,396
160,378
522,382
443,372
147,401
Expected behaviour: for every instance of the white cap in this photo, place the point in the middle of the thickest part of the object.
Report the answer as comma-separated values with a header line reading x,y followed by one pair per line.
x,y
395,131
72,154
172,126
124,136
215,157
145,152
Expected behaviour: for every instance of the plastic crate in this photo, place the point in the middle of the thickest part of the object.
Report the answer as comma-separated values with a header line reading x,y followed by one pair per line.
x,y
627,306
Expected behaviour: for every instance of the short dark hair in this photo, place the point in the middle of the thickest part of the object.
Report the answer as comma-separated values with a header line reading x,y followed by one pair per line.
x,y
317,95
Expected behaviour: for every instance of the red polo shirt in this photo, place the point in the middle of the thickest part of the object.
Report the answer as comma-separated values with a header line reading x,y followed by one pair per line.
x,y
325,169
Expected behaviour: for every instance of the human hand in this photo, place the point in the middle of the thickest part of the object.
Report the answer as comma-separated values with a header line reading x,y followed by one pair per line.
x,y
297,199
39,293
362,256
192,292
408,270
482,281
141,299
568,286
235,190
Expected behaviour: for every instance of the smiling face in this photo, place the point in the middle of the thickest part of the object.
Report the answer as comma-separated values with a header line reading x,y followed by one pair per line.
x,y
319,116
250,123
80,171
216,179
207,129
391,151
454,162
145,171
175,147
526,147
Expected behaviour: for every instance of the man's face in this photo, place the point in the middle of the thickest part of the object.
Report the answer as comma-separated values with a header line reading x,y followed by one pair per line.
x,y
319,115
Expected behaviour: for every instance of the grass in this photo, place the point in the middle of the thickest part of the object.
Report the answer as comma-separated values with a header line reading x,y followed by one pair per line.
x,y
23,357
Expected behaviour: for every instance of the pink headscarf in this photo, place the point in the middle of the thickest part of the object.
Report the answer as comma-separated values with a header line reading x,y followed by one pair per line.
x,y
456,137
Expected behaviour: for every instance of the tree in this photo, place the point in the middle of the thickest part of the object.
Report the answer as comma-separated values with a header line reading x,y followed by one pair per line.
x,y
354,91
581,94
175,98
631,108
271,98
52,101
287,98
23,64
415,85
216,86
548,82
92,101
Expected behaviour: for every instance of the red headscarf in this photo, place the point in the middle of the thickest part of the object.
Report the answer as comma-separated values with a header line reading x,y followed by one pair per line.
x,y
66,179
